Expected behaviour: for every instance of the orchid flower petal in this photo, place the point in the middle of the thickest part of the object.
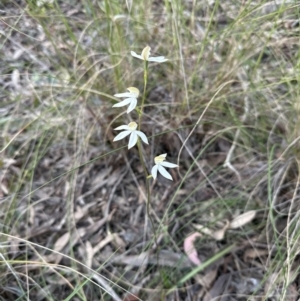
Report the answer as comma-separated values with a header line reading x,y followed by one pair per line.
x,y
134,91
146,53
125,94
160,158
164,173
123,102
132,140
122,135
154,171
158,59
123,127
132,105
168,164
145,56
136,55
142,136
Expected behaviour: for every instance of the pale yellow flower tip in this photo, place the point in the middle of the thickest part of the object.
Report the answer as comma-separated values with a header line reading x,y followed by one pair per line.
x,y
134,91
160,158
132,125
146,53
145,56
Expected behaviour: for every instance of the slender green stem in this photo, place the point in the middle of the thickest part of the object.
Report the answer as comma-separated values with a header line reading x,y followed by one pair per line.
x,y
140,148
144,93
140,120
139,144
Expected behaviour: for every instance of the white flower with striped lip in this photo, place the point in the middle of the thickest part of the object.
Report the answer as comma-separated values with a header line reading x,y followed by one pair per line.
x,y
130,129
145,56
160,166
132,95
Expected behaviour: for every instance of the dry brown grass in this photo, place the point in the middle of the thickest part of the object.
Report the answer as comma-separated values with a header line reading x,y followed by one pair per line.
x,y
225,107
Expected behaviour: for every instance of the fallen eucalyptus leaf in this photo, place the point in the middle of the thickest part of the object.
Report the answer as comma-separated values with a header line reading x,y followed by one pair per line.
x,y
242,219
190,249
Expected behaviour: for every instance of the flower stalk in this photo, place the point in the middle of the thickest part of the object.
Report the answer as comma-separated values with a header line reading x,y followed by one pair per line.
x,y
144,92
133,130
147,188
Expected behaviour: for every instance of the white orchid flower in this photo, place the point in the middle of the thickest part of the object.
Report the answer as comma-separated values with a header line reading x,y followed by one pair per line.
x,y
130,129
132,95
159,166
145,56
